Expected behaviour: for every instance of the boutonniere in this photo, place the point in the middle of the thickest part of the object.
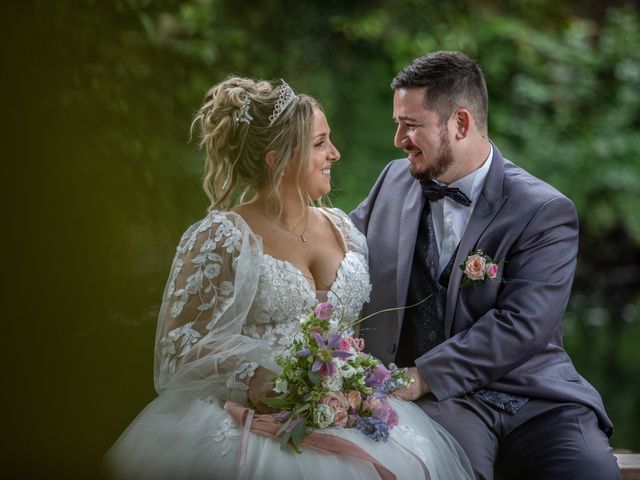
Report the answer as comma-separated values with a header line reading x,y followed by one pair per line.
x,y
478,267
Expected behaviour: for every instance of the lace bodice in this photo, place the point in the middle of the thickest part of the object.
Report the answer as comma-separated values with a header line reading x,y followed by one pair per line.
x,y
228,307
284,295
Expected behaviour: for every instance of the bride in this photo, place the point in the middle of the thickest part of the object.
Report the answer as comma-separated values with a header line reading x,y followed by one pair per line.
x,y
240,279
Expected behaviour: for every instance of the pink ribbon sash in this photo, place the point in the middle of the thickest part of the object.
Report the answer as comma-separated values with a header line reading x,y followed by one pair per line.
x,y
321,442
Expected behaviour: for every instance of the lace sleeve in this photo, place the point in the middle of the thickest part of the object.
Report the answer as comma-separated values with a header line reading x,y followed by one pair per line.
x,y
213,281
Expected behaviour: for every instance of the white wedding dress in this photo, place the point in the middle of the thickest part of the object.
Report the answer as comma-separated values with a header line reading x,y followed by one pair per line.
x,y
227,309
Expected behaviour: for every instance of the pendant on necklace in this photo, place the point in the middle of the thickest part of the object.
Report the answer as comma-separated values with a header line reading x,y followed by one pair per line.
x,y
302,238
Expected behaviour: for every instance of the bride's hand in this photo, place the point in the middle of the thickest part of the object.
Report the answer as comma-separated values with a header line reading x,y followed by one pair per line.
x,y
260,386
416,390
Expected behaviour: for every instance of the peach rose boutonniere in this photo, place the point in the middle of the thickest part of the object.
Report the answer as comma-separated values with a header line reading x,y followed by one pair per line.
x,y
478,267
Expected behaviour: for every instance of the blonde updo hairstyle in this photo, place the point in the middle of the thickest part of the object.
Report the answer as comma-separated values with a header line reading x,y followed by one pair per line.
x,y
236,146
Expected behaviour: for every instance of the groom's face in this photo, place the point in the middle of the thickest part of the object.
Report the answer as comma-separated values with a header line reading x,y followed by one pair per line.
x,y
421,134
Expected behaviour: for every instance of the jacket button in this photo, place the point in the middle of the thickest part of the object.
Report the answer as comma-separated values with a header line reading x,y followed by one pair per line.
x,y
391,348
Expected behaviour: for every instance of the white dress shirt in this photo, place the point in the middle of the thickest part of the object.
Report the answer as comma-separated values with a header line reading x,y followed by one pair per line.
x,y
450,218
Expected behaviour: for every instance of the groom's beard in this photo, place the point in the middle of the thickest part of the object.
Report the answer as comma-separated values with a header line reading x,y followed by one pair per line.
x,y
442,161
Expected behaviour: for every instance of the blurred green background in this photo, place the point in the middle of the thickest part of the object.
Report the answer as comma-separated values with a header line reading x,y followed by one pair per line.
x,y
102,178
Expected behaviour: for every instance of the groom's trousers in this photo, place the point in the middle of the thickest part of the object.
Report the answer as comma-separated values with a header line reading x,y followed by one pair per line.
x,y
544,440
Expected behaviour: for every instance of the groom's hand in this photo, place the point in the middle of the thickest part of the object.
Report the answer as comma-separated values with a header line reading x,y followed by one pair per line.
x,y
417,389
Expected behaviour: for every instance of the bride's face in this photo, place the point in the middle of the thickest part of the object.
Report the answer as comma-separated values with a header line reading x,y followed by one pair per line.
x,y
321,158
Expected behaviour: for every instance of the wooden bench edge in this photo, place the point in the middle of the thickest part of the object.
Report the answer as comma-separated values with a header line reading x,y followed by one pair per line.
x,y
629,464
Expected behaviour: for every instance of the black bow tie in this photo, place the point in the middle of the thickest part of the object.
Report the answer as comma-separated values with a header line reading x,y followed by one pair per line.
x,y
434,191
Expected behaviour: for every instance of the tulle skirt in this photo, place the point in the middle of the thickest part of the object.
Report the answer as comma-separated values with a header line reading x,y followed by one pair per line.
x,y
200,440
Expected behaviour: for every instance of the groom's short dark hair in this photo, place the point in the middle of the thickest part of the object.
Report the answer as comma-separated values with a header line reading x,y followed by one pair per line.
x,y
453,80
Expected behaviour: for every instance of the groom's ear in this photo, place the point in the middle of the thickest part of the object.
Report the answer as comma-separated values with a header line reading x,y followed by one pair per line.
x,y
462,126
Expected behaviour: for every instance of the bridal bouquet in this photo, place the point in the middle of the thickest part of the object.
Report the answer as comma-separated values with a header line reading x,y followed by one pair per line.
x,y
327,380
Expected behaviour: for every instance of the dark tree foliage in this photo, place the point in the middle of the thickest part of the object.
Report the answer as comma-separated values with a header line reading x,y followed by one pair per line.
x,y
99,100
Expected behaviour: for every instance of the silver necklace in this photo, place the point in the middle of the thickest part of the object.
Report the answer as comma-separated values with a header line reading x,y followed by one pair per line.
x,y
299,235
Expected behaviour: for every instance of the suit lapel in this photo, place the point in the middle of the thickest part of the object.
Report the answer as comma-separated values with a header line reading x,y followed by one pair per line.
x,y
488,204
408,231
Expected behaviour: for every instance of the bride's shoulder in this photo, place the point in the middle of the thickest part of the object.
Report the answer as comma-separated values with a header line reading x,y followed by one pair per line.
x,y
340,218
218,225
216,219
226,218
335,214
343,222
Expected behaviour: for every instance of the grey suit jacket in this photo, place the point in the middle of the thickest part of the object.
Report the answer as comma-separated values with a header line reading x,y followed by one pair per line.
x,y
505,334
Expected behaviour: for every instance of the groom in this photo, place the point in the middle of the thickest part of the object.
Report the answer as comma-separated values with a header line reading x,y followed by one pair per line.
x,y
485,347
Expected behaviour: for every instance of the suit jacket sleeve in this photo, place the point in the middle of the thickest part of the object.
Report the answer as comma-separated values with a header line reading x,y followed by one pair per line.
x,y
360,216
537,274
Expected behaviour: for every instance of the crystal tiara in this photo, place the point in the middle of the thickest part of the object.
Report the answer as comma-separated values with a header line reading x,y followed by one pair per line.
x,y
284,99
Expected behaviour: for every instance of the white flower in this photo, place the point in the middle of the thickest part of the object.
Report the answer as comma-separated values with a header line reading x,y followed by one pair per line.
x,y
347,371
204,225
281,386
215,257
176,308
226,288
212,270
208,245
194,282
323,416
189,245
203,307
232,242
333,383
247,370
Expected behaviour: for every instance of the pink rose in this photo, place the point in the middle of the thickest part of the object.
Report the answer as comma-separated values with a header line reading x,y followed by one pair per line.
x,y
324,310
354,398
344,345
491,269
474,267
356,343
352,421
340,418
335,400
372,403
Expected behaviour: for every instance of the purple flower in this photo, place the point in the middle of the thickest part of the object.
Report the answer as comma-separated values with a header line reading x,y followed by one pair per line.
x,y
324,310
373,428
281,416
387,414
293,424
326,368
334,341
326,352
381,394
305,352
378,377
318,338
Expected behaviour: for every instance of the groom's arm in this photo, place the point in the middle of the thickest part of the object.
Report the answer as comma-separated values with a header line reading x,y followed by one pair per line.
x,y
538,274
